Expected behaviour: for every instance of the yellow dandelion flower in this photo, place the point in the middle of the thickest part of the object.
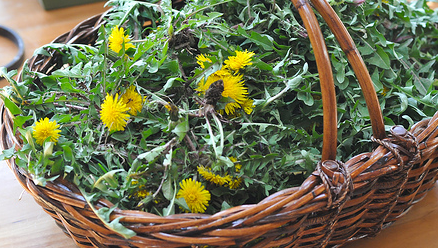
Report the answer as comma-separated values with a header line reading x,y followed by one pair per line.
x,y
234,88
237,166
239,61
235,183
205,173
44,129
212,177
248,105
204,85
201,59
385,91
117,38
133,100
231,107
173,111
221,180
142,193
113,113
194,194
223,72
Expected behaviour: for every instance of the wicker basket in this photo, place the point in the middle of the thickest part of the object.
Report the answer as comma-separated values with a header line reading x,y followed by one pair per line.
x,y
337,203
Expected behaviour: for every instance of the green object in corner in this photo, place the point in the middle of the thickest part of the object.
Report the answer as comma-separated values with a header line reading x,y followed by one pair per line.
x,y
56,4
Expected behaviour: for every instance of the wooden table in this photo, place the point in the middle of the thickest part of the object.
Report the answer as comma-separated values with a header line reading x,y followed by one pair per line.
x,y
24,224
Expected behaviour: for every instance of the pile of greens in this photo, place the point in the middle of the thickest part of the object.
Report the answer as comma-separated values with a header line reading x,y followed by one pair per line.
x,y
262,136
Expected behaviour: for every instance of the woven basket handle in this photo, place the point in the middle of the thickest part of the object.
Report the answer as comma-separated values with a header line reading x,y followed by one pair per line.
x,y
326,75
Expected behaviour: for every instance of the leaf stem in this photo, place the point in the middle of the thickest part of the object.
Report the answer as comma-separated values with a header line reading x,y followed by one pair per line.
x,y
210,131
221,132
276,96
206,7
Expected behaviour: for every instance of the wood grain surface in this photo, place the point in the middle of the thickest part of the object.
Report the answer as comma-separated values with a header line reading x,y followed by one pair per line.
x,y
23,224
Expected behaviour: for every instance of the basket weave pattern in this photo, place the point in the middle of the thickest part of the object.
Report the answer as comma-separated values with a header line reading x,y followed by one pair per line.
x,y
337,203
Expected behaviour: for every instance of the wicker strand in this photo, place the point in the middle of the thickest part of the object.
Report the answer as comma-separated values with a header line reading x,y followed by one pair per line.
x,y
400,141
380,225
330,173
342,192
388,145
326,78
348,46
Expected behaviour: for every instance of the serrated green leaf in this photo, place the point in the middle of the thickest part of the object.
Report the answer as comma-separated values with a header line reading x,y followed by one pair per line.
x,y
116,226
20,120
181,129
12,107
7,153
167,188
104,214
152,154
403,102
380,59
